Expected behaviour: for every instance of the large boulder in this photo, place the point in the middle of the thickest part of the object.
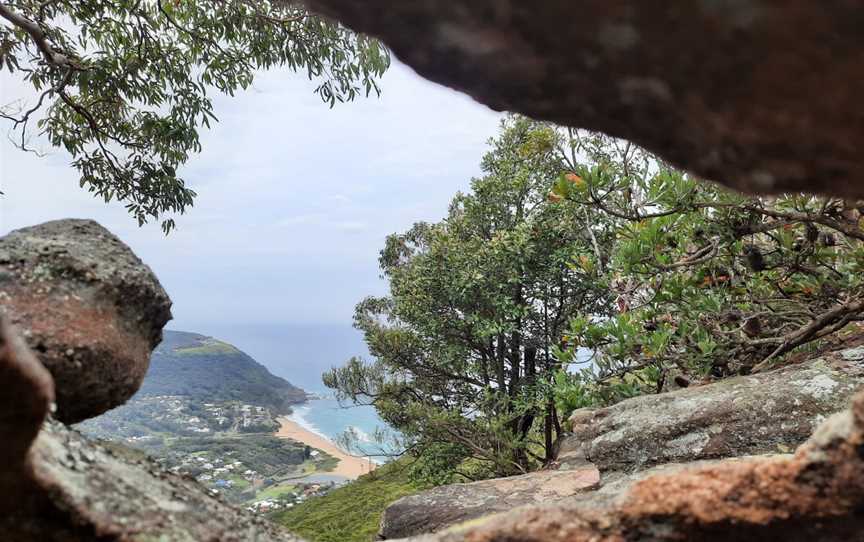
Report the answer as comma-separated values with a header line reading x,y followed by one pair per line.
x,y
444,506
760,95
769,412
611,449
58,486
815,494
88,307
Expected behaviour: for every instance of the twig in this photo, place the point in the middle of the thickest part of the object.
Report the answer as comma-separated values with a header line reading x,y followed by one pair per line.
x,y
825,324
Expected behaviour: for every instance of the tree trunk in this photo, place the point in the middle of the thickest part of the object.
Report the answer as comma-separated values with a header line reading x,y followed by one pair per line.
x,y
515,362
484,367
527,419
499,365
555,420
547,430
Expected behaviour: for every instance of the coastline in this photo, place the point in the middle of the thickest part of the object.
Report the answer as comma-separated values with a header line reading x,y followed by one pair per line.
x,y
349,466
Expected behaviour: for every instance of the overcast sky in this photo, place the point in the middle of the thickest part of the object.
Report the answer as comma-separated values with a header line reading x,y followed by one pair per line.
x,y
295,199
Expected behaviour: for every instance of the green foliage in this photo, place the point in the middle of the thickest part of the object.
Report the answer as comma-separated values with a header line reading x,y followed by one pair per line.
x,y
124,86
438,464
571,392
463,343
573,242
708,283
351,513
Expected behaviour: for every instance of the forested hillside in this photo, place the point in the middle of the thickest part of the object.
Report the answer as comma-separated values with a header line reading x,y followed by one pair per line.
x,y
194,365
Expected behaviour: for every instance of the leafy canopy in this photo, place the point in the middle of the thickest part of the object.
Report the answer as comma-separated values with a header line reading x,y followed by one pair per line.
x,y
573,242
707,283
463,344
124,85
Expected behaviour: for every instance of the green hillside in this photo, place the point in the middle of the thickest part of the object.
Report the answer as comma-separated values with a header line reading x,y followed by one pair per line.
x,y
350,513
205,368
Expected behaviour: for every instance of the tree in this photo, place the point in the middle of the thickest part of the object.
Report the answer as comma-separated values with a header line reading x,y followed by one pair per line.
x,y
124,85
570,241
708,283
463,344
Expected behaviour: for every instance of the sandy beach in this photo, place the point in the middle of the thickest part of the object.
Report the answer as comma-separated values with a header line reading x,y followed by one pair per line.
x,y
349,466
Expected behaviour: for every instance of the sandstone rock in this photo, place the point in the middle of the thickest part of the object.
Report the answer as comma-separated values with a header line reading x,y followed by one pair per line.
x,y
87,306
759,95
817,494
24,403
444,506
770,412
85,492
672,434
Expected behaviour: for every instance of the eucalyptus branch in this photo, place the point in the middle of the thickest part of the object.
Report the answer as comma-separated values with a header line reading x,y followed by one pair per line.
x,y
37,34
25,118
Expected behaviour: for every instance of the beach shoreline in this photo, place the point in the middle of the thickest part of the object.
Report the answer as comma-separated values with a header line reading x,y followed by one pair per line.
x,y
349,466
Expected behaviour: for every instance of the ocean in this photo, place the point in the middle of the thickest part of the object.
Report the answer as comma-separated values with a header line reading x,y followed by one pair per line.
x,y
300,353
326,417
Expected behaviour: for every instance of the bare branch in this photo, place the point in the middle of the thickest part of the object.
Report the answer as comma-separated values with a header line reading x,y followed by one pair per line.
x,y
825,324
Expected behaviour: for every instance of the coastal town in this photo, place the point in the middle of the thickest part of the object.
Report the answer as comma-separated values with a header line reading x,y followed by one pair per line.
x,y
210,412
148,418
238,482
229,447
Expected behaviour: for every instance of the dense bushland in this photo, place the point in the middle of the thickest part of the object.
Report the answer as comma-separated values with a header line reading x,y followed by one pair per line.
x,y
580,270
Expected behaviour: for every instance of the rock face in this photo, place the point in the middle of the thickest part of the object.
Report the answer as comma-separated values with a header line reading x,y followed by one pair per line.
x,y
759,95
817,494
614,448
28,392
444,506
72,286
81,491
87,306
763,413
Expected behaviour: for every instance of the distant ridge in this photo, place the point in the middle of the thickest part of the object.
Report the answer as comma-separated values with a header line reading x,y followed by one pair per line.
x,y
198,366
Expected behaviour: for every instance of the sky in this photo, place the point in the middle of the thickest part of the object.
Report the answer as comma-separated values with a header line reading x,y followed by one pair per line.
x,y
294,199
